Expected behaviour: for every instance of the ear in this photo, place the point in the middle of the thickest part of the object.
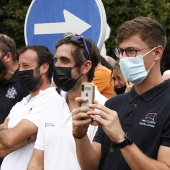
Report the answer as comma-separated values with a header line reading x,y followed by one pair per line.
x,y
86,66
44,68
158,53
9,56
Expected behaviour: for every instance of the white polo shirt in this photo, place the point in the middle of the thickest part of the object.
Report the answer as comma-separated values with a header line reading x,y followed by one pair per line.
x,y
56,140
30,110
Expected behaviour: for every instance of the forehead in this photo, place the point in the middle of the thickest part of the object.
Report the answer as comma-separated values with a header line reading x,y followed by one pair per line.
x,y
133,41
29,56
65,50
117,73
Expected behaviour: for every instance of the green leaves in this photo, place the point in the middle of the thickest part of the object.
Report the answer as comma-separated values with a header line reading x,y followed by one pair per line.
x,y
119,11
12,17
13,12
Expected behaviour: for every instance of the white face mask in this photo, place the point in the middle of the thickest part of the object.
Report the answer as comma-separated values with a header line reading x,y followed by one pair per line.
x,y
133,68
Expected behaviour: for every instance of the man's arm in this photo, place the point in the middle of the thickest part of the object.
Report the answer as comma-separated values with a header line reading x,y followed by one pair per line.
x,y
14,136
37,160
4,150
4,125
88,154
137,160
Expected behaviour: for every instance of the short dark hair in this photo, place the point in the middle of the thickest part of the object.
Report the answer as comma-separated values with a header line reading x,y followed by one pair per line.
x,y
44,55
7,44
150,31
80,53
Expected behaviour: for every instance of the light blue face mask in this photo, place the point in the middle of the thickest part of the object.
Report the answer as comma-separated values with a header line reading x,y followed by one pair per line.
x,y
133,68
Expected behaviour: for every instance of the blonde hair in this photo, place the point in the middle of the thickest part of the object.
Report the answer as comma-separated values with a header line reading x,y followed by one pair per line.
x,y
117,71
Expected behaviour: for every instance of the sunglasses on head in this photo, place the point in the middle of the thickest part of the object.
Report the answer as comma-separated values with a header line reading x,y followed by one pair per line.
x,y
77,37
5,41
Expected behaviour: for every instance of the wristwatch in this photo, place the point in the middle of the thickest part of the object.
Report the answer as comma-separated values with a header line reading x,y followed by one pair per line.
x,y
128,141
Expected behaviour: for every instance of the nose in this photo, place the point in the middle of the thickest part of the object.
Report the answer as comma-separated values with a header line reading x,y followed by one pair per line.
x,y
123,53
116,82
57,64
20,68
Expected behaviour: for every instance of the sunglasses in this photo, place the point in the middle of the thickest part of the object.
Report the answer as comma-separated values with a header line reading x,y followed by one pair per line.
x,y
5,42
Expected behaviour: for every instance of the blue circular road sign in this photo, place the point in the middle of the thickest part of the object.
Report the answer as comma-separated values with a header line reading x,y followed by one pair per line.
x,y
47,21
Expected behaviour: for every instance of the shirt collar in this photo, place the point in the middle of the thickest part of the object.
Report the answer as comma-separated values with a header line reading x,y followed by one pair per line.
x,y
63,94
14,77
150,94
41,93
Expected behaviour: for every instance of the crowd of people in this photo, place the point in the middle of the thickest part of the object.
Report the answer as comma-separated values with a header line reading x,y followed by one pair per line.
x,y
44,126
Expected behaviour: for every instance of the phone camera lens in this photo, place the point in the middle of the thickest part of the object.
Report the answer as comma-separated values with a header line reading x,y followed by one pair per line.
x,y
82,87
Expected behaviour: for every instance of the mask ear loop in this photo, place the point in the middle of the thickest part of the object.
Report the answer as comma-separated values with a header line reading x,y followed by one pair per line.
x,y
41,74
79,76
148,52
151,67
154,61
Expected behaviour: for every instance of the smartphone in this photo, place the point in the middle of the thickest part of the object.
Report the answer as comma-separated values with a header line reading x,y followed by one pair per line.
x,y
87,90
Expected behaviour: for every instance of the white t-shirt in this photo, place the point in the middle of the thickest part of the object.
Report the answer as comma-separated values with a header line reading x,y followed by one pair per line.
x,y
56,140
32,111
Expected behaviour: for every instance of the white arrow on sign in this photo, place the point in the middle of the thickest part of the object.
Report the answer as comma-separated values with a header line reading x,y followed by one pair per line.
x,y
71,24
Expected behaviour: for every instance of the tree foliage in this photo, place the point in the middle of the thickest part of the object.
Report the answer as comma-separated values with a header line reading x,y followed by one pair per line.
x,y
12,18
119,11
13,12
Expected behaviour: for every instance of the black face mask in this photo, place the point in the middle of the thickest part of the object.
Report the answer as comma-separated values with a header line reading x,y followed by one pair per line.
x,y
62,78
27,79
120,90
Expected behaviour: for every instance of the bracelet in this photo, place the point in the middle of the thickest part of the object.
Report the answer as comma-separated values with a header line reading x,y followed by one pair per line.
x,y
79,136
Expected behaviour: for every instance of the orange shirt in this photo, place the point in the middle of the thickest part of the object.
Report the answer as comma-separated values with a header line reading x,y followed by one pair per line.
x,y
102,79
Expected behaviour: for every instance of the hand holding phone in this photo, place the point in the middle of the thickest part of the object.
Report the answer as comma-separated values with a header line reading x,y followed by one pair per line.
x,y
128,86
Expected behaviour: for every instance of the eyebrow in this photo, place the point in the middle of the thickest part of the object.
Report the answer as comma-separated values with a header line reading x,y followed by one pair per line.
x,y
126,48
23,63
62,58
65,58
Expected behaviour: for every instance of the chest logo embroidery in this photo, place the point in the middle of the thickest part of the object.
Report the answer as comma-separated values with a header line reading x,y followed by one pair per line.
x,y
11,93
150,116
149,120
49,125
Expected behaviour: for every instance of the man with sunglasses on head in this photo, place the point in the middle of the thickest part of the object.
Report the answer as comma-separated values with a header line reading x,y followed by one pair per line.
x,y
134,130
36,65
76,58
10,88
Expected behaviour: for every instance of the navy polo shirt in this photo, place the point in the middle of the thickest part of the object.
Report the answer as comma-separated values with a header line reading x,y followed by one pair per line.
x,y
146,117
11,92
